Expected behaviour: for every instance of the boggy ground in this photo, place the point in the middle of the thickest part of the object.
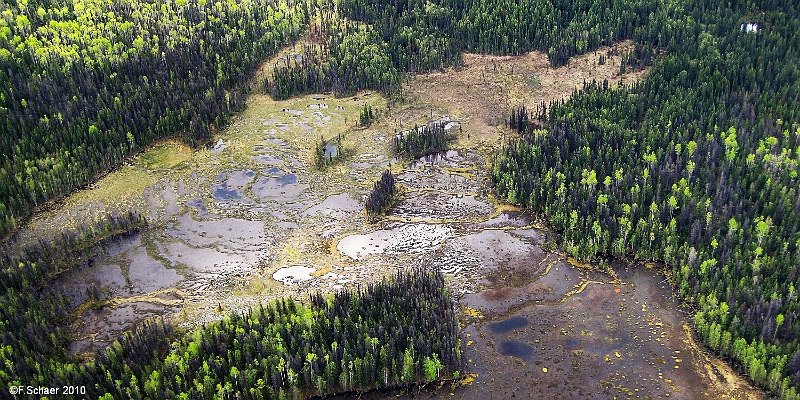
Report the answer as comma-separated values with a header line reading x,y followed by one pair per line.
x,y
573,333
251,219
548,329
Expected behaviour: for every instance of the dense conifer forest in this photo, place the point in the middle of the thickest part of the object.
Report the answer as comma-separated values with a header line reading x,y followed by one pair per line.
x,y
367,115
696,166
382,195
422,140
352,57
401,331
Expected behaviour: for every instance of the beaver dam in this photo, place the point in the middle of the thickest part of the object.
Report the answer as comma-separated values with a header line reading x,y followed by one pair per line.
x,y
253,219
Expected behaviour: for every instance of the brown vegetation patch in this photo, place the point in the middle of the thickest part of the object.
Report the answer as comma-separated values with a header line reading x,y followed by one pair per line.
x,y
482,91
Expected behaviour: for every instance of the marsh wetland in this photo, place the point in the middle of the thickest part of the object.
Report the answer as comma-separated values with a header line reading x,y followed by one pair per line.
x,y
252,219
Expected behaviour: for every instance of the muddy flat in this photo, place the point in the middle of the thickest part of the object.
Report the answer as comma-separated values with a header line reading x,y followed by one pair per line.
x,y
584,334
252,219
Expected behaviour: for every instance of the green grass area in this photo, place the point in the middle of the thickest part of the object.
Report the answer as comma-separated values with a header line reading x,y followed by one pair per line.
x,y
167,156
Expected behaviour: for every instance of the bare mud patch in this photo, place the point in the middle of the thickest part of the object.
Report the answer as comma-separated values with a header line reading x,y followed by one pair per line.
x,y
368,161
116,290
600,339
293,274
146,275
268,160
281,187
505,220
449,158
97,328
438,205
437,180
336,206
412,238
238,234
